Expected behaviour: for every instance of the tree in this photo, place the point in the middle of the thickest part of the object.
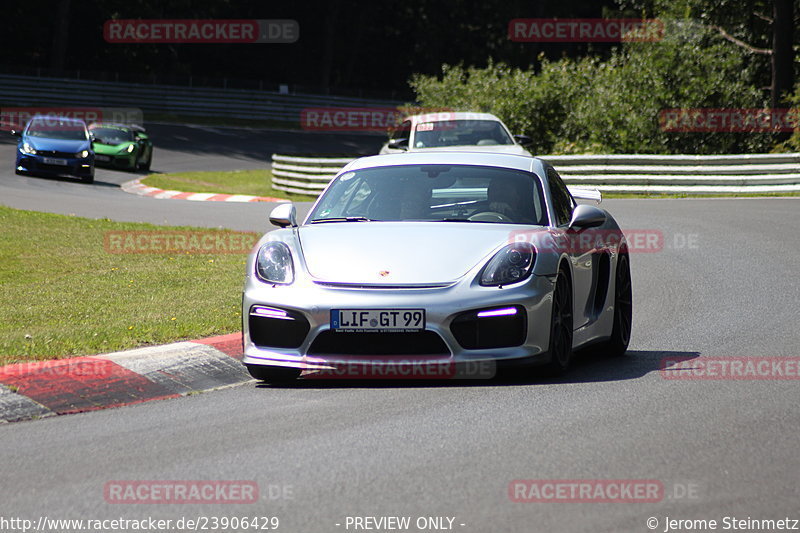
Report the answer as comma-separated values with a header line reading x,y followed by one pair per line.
x,y
60,37
745,23
782,51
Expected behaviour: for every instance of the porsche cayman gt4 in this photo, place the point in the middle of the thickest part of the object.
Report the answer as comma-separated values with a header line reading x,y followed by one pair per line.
x,y
437,260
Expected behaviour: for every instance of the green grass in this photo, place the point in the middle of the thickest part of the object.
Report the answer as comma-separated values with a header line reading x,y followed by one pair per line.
x,y
63,294
258,183
252,182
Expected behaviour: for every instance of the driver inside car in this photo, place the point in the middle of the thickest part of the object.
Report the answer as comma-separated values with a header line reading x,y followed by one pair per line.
x,y
506,197
415,200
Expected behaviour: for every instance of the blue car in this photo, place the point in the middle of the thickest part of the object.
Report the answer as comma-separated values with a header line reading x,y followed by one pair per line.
x,y
55,146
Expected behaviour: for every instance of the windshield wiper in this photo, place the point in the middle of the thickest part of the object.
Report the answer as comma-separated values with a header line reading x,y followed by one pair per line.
x,y
341,219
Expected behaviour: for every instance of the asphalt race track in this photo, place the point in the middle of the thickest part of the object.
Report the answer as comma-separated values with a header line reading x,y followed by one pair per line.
x,y
176,148
724,284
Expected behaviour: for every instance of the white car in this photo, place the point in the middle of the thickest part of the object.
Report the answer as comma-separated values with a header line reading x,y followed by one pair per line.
x,y
459,131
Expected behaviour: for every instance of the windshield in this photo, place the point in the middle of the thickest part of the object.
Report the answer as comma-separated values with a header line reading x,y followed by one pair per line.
x,y
446,193
460,133
58,129
112,135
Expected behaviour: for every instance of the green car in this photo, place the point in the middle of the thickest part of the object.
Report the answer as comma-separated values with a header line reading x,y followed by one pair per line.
x,y
121,146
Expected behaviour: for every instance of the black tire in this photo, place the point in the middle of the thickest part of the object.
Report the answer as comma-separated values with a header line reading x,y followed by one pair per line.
x,y
88,179
561,320
617,345
146,166
273,374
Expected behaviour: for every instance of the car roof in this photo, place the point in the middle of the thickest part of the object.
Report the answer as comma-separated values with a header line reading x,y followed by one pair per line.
x,y
455,157
442,116
58,118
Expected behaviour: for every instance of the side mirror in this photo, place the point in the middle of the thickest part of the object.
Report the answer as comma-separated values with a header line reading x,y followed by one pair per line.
x,y
284,215
523,140
587,216
398,144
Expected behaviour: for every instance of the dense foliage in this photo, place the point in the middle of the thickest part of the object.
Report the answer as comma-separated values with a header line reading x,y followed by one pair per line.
x,y
589,105
361,47
570,97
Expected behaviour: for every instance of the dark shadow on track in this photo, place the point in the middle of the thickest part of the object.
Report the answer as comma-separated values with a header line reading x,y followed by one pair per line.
x,y
70,179
586,368
136,173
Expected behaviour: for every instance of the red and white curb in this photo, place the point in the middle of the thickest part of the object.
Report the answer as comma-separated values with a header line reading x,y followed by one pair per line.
x,y
63,386
137,187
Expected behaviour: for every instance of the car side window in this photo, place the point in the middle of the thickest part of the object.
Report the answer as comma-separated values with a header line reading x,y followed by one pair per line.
x,y
563,204
403,131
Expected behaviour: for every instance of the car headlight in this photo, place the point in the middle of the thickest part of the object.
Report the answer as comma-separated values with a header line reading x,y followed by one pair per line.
x,y
28,149
274,263
512,264
83,154
130,148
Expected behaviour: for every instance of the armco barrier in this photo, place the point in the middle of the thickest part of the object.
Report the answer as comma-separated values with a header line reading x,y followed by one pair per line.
x,y
747,173
171,99
304,175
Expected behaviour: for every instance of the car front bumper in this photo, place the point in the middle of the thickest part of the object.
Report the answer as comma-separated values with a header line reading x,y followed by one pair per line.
x,y
126,160
36,164
321,348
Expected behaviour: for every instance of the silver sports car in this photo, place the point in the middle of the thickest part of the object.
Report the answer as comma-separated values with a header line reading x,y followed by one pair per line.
x,y
448,260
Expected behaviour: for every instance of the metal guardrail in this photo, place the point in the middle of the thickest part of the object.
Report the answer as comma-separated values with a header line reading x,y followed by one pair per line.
x,y
755,173
179,100
305,175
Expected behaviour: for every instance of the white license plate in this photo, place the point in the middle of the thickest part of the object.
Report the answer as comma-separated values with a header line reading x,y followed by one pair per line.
x,y
355,320
102,158
54,161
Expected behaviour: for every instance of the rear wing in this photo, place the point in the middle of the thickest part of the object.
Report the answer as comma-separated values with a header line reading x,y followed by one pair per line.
x,y
585,193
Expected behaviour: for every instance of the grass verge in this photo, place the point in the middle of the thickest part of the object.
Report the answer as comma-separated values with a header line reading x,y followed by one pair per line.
x,y
64,294
252,182
259,183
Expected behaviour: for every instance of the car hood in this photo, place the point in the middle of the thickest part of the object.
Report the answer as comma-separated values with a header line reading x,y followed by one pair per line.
x,y
399,253
58,145
494,148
